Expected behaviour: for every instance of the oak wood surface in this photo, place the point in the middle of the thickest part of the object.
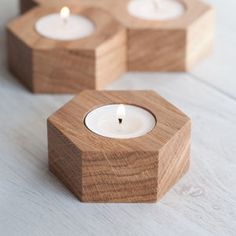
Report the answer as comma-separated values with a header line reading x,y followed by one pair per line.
x,y
66,66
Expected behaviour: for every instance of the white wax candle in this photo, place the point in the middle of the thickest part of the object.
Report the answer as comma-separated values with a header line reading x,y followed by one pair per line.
x,y
64,26
156,9
120,121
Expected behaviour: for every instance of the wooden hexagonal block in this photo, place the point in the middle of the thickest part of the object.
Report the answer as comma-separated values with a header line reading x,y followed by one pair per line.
x,y
50,66
100,169
169,45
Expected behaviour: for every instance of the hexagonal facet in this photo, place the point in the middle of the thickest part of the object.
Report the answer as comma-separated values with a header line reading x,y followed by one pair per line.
x,y
50,66
100,169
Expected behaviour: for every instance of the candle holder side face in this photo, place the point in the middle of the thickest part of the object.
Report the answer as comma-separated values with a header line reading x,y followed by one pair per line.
x,y
99,169
200,37
66,66
174,160
166,50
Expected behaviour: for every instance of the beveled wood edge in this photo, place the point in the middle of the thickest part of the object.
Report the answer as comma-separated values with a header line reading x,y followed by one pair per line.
x,y
81,44
194,9
155,132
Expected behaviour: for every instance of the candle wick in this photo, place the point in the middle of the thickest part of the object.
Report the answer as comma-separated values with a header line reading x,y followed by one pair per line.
x,y
65,13
120,120
157,4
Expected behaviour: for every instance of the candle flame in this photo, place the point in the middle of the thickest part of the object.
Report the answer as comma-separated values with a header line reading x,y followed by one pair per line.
x,y
120,113
65,13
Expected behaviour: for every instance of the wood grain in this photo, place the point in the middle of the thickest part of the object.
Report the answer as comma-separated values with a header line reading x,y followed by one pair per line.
x,y
66,67
200,38
99,169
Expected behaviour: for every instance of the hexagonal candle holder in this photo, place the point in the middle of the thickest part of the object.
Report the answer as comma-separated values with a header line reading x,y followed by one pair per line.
x,y
166,45
119,146
49,65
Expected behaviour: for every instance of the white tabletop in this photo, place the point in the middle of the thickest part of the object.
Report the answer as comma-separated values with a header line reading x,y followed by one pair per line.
x,y
34,202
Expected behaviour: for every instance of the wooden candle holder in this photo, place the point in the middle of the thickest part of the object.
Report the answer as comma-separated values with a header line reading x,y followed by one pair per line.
x,y
100,169
171,45
50,66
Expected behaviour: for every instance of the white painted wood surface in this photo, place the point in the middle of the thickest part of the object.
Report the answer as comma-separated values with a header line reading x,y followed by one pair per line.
x,y
34,202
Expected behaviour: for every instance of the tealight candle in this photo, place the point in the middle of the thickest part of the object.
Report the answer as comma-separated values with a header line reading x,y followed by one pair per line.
x,y
120,121
64,26
156,9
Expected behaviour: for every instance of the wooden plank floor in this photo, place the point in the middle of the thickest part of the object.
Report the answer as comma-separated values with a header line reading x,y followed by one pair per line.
x,y
34,202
